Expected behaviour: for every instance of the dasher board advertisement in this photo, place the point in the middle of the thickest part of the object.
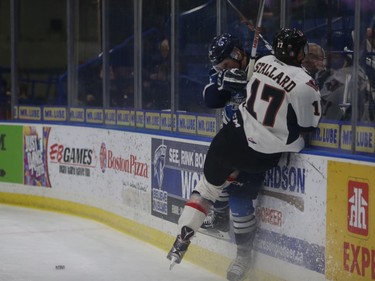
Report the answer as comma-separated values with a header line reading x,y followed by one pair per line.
x,y
177,167
350,251
291,212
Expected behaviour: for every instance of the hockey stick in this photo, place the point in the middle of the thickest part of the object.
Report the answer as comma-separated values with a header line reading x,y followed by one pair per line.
x,y
250,68
250,25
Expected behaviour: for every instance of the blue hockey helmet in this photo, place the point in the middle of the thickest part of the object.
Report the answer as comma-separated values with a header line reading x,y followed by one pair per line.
x,y
221,47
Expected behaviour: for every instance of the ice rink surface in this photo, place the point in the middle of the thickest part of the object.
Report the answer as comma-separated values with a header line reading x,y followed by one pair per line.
x,y
38,245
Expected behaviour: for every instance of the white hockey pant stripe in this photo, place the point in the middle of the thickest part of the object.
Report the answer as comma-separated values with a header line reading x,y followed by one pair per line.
x,y
224,196
245,224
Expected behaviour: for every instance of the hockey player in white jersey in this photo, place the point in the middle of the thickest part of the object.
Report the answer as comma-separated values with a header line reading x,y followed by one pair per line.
x,y
283,103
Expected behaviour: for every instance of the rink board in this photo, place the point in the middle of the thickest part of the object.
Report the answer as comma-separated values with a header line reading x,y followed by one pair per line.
x,y
314,212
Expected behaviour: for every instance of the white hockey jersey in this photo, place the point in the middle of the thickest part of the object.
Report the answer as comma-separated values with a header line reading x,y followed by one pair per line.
x,y
282,100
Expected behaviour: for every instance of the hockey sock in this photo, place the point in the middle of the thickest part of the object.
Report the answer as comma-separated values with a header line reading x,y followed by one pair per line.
x,y
244,232
195,211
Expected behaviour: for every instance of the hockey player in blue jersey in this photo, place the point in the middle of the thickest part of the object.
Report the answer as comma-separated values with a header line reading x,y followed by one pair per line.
x,y
227,90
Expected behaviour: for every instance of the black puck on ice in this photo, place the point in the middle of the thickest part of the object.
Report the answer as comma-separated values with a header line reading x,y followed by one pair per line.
x,y
60,267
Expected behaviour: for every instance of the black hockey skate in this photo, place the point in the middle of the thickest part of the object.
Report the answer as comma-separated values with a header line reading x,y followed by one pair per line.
x,y
218,220
180,246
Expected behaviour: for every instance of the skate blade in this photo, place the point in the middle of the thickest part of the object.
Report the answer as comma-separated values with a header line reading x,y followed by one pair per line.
x,y
173,262
215,233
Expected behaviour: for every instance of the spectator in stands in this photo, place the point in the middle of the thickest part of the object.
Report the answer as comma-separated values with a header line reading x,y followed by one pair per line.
x,y
336,91
121,86
121,90
90,86
315,63
24,97
157,87
370,67
370,37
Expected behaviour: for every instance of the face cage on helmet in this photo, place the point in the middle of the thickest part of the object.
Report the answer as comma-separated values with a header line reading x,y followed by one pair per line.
x,y
217,58
232,56
231,42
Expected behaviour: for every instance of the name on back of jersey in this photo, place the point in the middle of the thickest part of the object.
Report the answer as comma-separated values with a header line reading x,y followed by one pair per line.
x,y
275,74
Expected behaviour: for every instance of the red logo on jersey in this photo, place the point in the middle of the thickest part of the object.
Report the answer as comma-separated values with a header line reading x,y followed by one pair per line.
x,y
313,85
358,208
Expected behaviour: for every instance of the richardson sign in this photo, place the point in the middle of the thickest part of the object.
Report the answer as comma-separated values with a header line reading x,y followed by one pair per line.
x,y
350,250
289,220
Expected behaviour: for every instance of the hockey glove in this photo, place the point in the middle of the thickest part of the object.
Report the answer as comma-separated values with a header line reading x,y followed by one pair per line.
x,y
232,80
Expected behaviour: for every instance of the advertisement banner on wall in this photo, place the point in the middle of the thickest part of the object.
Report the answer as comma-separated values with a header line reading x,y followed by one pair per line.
x,y
72,156
350,250
34,154
176,169
98,163
11,147
291,223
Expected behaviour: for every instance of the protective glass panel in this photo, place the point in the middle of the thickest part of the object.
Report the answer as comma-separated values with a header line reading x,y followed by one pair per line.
x,y
5,91
156,55
241,19
90,71
367,62
195,27
41,50
121,59
88,47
